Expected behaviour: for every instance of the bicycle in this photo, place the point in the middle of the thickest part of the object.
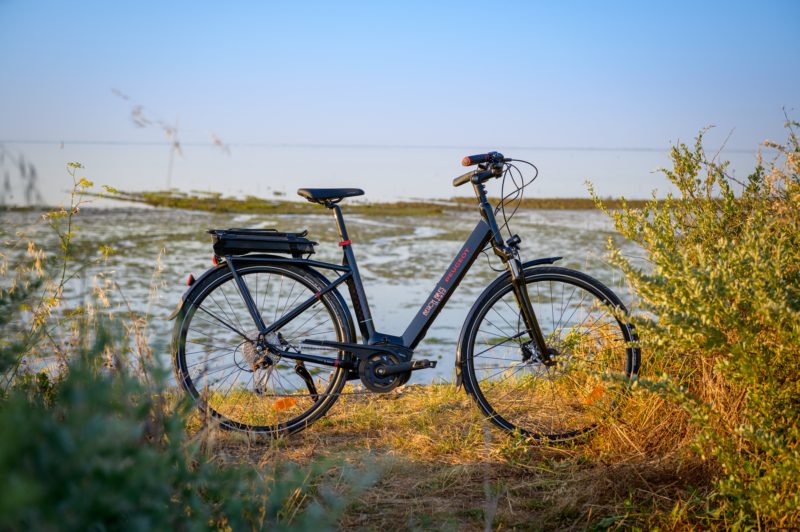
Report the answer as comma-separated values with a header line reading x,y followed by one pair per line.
x,y
264,342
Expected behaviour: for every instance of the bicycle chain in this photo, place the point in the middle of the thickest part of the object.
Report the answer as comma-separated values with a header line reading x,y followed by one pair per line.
x,y
360,392
321,348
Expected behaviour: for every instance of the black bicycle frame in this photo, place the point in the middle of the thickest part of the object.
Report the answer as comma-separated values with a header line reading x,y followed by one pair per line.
x,y
373,340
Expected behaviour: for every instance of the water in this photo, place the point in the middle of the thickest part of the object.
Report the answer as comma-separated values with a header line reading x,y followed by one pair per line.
x,y
400,258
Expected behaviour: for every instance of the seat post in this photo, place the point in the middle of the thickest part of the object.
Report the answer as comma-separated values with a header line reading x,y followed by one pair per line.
x,y
337,213
357,294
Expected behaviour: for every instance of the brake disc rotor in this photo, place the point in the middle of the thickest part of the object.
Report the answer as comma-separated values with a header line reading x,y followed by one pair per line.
x,y
552,365
377,383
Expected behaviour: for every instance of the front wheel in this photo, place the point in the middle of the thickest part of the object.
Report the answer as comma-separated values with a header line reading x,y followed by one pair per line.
x,y
567,391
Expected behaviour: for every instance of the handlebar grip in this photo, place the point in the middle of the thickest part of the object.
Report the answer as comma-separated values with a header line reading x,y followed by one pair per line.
x,y
460,180
491,157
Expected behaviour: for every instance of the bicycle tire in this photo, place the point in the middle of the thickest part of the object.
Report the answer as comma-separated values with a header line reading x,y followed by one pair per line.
x,y
519,402
267,409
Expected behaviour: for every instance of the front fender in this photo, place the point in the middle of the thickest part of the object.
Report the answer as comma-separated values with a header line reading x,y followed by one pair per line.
x,y
500,278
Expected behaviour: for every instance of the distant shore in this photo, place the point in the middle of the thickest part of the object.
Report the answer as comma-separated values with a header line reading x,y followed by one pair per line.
x,y
216,202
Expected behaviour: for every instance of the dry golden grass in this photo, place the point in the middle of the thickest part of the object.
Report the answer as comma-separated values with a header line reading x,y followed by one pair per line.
x,y
441,466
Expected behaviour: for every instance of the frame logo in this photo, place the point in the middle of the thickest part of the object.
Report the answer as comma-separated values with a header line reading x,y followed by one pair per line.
x,y
437,297
457,265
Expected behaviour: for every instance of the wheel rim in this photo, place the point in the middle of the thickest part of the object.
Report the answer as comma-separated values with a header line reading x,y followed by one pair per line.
x,y
220,365
559,396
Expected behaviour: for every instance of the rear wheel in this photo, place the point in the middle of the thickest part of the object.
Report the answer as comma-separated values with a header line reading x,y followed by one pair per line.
x,y
218,360
565,392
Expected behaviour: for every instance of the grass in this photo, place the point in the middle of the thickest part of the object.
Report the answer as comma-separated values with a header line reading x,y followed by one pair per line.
x,y
440,465
216,202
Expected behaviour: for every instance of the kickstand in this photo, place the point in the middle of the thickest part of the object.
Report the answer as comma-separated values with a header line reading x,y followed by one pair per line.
x,y
301,370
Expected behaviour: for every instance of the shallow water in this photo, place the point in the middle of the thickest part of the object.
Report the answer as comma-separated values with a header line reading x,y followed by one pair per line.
x,y
400,259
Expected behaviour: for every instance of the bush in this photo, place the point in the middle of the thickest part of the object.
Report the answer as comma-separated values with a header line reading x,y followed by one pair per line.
x,y
720,321
104,453
89,445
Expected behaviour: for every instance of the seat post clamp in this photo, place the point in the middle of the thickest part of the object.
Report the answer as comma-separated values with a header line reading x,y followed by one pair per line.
x,y
344,243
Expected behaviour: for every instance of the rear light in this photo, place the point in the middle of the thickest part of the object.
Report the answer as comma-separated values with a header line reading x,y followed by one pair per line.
x,y
190,280
214,260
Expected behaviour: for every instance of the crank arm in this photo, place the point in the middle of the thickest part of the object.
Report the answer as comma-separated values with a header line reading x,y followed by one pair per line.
x,y
403,367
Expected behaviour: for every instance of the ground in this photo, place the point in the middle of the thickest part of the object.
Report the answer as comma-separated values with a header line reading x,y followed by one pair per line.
x,y
432,462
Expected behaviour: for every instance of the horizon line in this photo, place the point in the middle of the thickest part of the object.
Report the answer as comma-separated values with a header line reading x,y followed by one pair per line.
x,y
643,149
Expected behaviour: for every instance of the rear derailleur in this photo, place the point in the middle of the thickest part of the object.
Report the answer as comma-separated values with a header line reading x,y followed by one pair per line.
x,y
261,357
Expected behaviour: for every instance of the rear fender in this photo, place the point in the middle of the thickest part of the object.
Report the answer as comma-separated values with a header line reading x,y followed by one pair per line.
x,y
188,294
224,264
192,287
462,339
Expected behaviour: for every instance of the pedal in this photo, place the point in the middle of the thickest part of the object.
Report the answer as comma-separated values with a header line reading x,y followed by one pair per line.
x,y
403,367
422,364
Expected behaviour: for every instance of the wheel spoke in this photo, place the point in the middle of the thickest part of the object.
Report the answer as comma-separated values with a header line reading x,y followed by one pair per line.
x,y
223,366
499,344
227,325
556,397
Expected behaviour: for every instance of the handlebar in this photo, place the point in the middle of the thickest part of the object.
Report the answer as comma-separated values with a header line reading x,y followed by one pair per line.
x,y
475,176
491,165
491,157
466,178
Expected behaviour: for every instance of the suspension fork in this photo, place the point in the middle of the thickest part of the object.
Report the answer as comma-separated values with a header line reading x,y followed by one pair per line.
x,y
514,266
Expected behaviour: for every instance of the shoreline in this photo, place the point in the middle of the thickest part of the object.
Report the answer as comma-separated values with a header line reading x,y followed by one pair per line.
x,y
214,202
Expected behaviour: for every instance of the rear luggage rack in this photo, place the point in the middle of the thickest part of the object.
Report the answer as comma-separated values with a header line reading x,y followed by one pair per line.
x,y
244,241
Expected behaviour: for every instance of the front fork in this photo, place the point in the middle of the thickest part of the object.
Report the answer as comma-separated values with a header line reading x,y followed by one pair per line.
x,y
514,266
509,254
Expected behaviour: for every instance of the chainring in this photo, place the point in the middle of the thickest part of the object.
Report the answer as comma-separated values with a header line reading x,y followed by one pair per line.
x,y
374,382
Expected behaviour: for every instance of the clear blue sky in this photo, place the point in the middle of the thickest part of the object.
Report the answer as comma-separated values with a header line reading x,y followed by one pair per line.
x,y
441,77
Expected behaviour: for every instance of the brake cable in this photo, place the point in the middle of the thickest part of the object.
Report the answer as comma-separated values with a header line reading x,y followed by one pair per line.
x,y
515,196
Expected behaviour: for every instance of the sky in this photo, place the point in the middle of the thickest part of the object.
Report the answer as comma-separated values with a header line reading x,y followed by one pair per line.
x,y
388,96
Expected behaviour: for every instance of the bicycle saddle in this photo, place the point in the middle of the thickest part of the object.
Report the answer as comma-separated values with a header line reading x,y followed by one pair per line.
x,y
322,195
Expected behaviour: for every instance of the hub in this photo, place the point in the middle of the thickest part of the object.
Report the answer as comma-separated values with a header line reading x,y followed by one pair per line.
x,y
531,355
548,358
